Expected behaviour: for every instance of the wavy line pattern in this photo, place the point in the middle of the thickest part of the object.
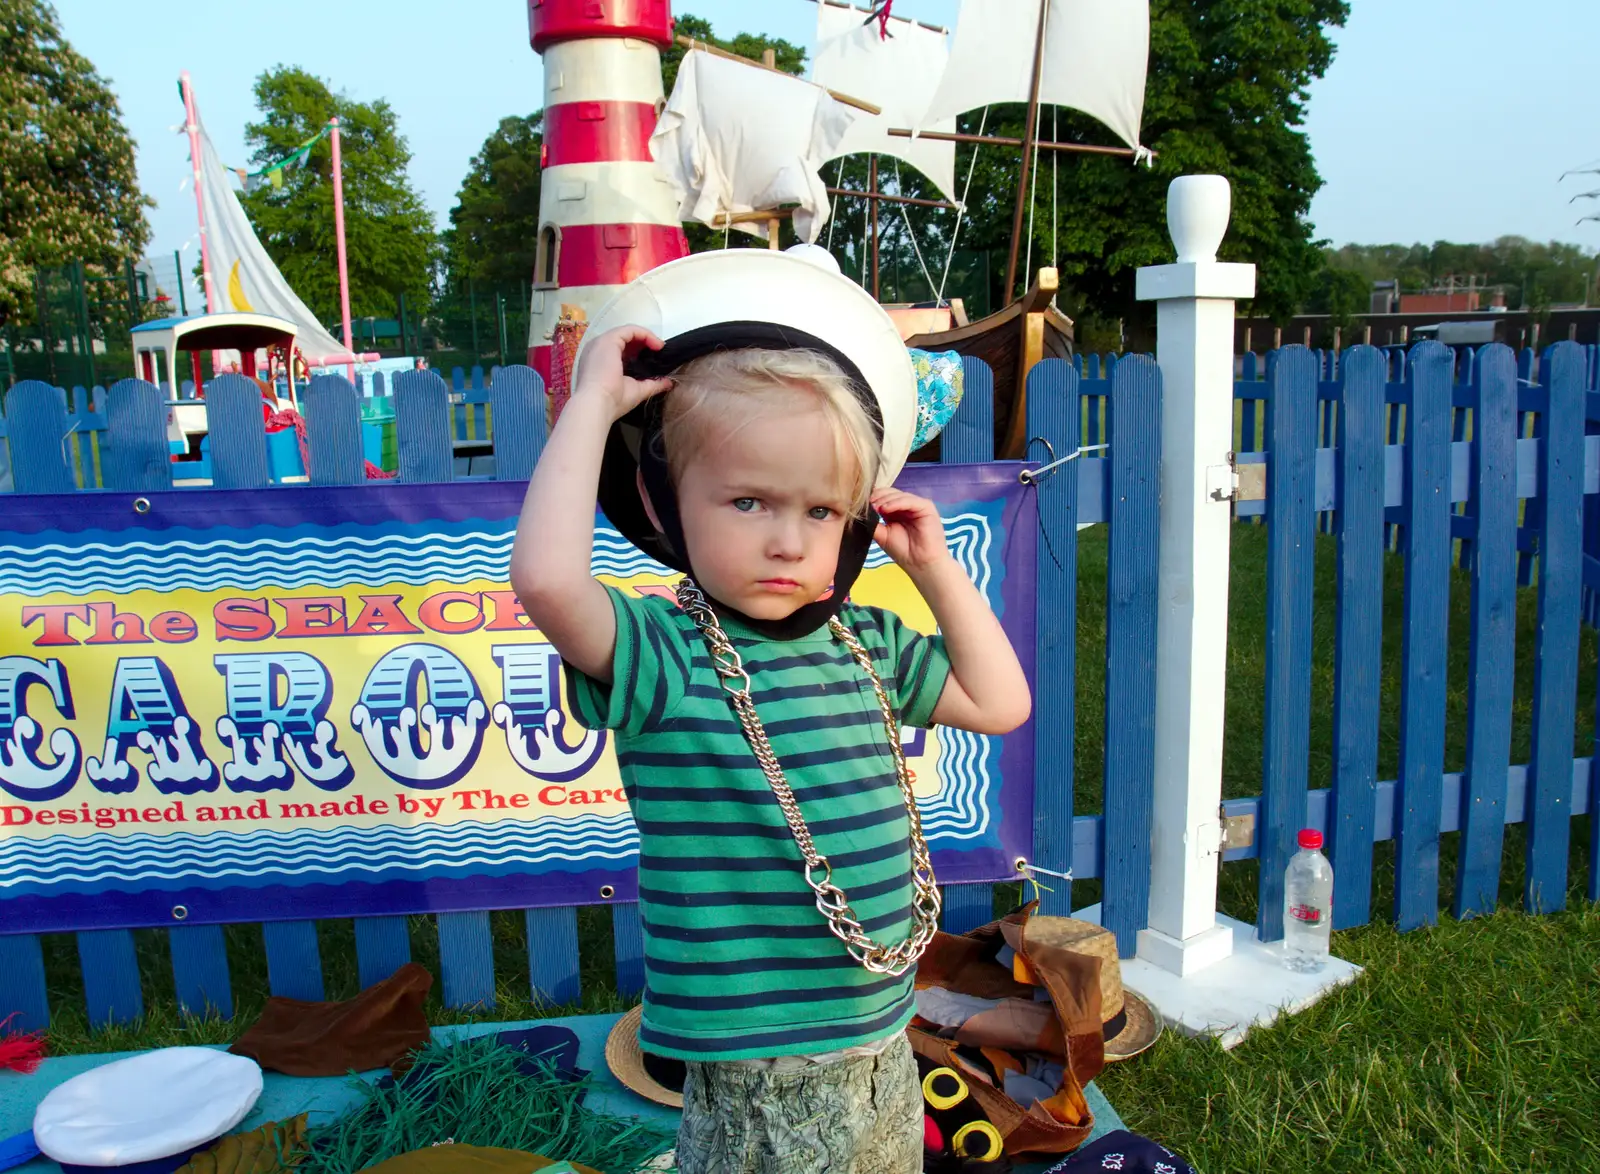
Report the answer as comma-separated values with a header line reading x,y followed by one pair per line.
x,y
324,557
330,559
309,855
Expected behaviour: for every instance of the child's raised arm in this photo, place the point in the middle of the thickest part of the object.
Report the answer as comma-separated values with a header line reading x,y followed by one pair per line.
x,y
555,534
987,691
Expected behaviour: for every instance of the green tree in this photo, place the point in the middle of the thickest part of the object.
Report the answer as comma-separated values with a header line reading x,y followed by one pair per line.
x,y
787,56
1343,296
389,234
1530,275
67,185
494,227
1227,93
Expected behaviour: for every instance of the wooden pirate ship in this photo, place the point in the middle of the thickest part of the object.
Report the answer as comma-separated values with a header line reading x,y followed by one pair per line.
x,y
740,145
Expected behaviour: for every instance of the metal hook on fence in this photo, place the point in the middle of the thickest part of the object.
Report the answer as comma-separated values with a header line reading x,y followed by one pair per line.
x,y
1025,866
1033,476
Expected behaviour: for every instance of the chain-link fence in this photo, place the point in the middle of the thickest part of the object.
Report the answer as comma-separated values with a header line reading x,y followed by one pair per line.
x,y
76,329
466,324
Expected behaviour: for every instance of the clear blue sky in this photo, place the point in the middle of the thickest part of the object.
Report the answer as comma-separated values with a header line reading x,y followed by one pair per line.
x,y
1440,119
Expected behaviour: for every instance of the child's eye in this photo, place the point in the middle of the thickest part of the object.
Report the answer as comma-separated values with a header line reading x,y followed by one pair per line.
x,y
744,504
821,513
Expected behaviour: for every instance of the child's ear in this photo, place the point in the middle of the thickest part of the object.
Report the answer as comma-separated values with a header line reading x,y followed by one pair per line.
x,y
644,496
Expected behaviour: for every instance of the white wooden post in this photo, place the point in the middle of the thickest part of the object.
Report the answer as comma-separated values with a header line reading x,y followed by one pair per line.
x,y
1195,323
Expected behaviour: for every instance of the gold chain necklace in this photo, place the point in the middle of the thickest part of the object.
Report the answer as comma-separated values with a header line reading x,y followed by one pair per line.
x,y
832,902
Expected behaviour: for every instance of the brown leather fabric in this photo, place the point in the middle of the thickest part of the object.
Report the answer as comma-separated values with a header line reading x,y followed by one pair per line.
x,y
1074,982
966,964
1023,1130
379,1026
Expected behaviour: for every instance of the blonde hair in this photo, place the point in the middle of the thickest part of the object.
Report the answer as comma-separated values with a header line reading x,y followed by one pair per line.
x,y
706,387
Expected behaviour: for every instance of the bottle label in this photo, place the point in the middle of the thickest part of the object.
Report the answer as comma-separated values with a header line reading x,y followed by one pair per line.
x,y
1309,914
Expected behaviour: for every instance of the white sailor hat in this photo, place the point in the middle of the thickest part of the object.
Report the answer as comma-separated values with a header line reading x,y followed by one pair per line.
x,y
148,1113
752,298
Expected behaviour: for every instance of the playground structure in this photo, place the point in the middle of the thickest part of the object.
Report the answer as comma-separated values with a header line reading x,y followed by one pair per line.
x,y
1480,457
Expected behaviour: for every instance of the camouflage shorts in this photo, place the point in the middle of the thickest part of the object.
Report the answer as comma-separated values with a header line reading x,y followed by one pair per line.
x,y
858,1115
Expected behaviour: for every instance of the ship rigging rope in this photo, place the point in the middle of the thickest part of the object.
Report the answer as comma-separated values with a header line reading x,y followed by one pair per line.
x,y
833,219
911,232
961,210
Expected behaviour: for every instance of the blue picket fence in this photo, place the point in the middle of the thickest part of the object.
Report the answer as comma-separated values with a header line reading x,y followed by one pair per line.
x,y
114,441
1472,460
1488,461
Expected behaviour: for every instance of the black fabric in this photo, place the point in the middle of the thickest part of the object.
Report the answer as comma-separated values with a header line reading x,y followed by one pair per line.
x,y
634,449
670,1074
1125,1152
1113,1026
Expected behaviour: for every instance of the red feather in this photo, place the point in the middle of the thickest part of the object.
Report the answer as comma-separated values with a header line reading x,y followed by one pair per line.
x,y
21,1052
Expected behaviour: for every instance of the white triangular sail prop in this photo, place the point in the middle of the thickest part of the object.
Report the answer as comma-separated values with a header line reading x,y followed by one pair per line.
x,y
243,277
1096,54
735,138
899,74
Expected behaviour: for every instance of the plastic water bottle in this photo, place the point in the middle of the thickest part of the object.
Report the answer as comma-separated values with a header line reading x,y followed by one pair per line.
x,y
1307,906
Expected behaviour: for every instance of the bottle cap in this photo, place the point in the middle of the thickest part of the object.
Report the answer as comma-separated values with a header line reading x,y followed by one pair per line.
x,y
1311,838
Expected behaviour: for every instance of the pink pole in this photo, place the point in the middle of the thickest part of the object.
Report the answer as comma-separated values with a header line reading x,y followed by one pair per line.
x,y
193,127
338,231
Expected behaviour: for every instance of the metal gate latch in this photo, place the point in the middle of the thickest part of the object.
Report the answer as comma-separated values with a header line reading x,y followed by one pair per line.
x,y
1237,482
1222,481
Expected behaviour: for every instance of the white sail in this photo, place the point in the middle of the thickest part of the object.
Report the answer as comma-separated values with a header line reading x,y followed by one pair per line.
x,y
898,73
1096,53
735,138
243,277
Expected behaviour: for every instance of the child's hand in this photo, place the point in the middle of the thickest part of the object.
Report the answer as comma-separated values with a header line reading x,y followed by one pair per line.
x,y
600,375
911,532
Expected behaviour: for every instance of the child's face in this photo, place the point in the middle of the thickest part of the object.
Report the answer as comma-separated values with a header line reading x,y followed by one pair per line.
x,y
764,510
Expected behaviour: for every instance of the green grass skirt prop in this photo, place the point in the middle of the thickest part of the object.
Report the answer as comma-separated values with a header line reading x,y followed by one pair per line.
x,y
473,1093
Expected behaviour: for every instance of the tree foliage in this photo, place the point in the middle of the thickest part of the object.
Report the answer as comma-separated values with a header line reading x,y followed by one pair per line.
x,y
389,233
1530,275
68,190
494,226
787,56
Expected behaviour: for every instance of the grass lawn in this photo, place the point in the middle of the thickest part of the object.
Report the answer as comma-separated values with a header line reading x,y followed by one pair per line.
x,y
1468,1047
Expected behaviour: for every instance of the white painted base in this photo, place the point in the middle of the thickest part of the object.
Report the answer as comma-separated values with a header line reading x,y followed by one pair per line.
x,y
1249,988
1189,956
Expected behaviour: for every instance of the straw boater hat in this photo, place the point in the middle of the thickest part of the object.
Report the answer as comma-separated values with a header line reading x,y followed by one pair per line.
x,y
655,1078
1130,1024
734,299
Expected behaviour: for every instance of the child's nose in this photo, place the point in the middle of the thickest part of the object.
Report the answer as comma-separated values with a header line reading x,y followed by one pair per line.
x,y
786,540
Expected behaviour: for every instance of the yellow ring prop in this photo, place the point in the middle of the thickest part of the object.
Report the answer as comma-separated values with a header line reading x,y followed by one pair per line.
x,y
941,1100
972,1129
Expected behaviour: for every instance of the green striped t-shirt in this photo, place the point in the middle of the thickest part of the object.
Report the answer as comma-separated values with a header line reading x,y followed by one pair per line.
x,y
739,964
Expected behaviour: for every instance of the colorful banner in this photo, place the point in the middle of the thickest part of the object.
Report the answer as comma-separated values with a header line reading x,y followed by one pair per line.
x,y
250,705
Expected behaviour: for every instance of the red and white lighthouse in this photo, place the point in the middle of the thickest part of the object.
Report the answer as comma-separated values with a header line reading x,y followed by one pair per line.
x,y
605,214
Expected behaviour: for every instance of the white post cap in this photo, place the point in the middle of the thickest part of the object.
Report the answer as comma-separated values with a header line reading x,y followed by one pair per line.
x,y
1198,207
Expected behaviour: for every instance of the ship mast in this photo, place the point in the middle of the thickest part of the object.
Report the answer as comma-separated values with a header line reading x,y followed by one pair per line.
x,y
1029,133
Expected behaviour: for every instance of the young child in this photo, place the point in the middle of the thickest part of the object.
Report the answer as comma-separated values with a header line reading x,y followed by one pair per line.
x,y
783,902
